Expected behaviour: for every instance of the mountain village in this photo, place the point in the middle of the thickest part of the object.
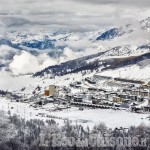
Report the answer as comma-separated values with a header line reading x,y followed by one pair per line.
x,y
94,92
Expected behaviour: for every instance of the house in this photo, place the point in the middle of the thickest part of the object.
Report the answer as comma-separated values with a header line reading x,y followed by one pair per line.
x,y
108,103
148,84
123,96
146,108
49,100
144,93
68,97
136,109
133,97
140,99
145,86
135,92
125,103
46,93
50,91
107,95
96,99
78,99
127,90
117,99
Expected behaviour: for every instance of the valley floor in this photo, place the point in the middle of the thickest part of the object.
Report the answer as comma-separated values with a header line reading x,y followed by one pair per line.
x,y
87,117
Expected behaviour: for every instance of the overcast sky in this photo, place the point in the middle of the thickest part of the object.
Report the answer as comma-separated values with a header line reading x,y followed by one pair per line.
x,y
78,15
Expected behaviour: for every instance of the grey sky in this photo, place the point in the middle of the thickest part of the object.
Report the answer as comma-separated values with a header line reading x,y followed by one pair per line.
x,y
79,15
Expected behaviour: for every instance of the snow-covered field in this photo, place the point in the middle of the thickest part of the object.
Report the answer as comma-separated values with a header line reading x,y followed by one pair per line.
x,y
11,83
129,72
87,117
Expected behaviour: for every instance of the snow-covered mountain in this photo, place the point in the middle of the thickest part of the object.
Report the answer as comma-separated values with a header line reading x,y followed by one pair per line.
x,y
115,32
100,61
51,48
127,29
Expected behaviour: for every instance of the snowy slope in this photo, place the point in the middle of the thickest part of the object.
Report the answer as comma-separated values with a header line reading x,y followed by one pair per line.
x,y
125,30
134,72
99,61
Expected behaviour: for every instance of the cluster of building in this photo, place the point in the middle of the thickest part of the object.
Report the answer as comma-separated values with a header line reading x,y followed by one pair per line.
x,y
135,98
134,95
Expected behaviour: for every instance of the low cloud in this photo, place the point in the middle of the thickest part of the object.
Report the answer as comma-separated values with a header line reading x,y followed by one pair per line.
x,y
69,54
6,54
26,63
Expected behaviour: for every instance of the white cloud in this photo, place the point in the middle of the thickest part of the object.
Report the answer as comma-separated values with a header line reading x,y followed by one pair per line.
x,y
6,54
27,63
9,82
76,15
24,63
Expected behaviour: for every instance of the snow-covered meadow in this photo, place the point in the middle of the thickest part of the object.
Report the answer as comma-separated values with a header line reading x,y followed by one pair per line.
x,y
87,117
